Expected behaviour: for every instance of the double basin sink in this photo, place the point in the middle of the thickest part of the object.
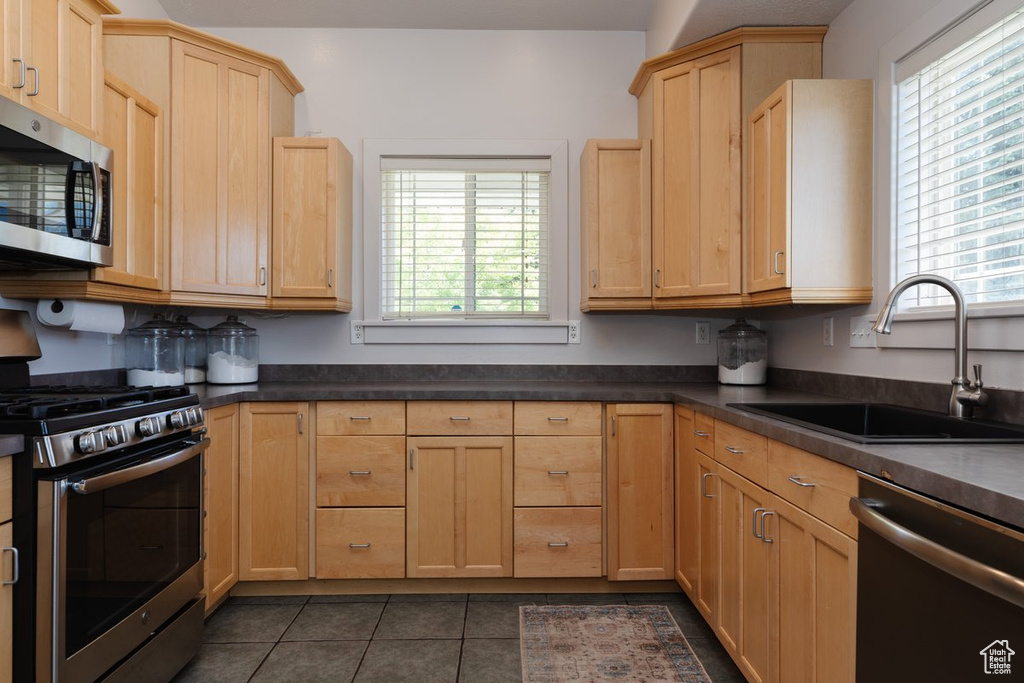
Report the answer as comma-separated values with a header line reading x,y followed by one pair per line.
x,y
886,424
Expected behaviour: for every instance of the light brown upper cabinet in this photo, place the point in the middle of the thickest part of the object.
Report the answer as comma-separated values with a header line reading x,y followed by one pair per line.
x,y
615,211
52,57
312,225
224,103
809,200
693,104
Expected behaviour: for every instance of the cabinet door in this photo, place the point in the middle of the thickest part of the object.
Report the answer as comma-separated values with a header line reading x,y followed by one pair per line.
x,y
312,226
812,618
459,507
687,503
81,65
743,617
133,130
616,219
273,498
6,603
709,533
10,49
219,173
639,490
697,193
220,530
768,253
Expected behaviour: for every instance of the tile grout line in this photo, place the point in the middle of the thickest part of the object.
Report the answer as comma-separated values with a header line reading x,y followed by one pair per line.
x,y
278,641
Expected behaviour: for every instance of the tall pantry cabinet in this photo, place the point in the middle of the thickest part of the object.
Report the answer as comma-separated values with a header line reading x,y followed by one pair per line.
x,y
224,103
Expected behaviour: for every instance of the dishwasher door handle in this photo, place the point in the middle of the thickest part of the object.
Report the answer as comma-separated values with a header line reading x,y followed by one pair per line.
x,y
989,579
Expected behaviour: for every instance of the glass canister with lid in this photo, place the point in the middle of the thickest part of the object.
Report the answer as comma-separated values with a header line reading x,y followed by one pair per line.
x,y
742,354
195,350
233,353
155,354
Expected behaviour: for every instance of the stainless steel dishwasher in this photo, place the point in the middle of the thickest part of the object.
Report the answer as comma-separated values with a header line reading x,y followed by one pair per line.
x,y
940,591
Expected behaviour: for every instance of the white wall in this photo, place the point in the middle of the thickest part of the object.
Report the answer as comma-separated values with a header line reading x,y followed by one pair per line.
x,y
666,21
855,47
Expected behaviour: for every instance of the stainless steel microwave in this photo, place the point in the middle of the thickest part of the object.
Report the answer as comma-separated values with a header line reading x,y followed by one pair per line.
x,y
55,194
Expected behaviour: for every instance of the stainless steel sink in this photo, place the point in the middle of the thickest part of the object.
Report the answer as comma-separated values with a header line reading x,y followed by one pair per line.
x,y
880,423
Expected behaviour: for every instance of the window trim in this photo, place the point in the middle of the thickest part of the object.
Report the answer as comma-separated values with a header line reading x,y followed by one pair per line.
x,y
948,24
373,329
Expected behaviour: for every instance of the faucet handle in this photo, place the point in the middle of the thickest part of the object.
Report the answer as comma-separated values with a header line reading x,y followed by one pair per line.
x,y
978,384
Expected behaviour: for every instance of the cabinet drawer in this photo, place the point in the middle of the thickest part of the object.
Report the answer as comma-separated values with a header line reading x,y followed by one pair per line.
x,y
557,418
741,451
360,471
824,489
6,480
360,417
557,542
557,470
450,418
360,543
704,434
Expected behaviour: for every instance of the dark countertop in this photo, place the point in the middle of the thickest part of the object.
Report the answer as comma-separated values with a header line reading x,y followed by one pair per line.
x,y
987,479
9,445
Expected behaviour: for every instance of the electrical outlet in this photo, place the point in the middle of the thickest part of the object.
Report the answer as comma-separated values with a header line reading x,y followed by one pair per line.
x,y
357,332
826,331
574,331
862,334
703,332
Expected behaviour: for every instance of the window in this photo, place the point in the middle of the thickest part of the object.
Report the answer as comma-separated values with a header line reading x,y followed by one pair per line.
x,y
959,204
465,242
464,238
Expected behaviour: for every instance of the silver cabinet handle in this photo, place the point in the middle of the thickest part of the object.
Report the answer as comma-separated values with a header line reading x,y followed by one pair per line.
x,y
593,278
359,417
560,472
16,574
21,66
704,484
358,545
412,460
731,449
764,534
563,544
359,473
753,519
300,423
796,480
263,275
558,419
459,418
657,278
330,277
613,425
701,434
35,72
776,263
980,575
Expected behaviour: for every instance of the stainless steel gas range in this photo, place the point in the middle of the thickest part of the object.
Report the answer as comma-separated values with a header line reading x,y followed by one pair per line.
x,y
108,526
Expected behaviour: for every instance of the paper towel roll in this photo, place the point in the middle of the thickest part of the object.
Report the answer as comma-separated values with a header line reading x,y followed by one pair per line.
x,y
82,316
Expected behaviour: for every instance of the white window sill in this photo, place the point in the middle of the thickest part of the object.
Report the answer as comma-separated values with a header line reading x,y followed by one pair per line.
x,y
465,332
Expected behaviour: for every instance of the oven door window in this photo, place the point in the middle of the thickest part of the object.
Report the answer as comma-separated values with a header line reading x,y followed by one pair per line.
x,y
125,544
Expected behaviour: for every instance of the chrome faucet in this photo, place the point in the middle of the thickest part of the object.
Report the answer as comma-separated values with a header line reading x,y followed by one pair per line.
x,y
964,397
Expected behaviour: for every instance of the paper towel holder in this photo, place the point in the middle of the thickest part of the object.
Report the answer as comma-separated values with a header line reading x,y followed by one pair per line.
x,y
18,342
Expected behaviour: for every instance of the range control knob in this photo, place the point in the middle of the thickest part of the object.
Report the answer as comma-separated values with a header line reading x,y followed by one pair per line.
x,y
178,419
149,426
116,435
91,442
194,416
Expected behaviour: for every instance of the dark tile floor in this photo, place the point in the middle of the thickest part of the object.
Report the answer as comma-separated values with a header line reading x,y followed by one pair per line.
x,y
388,638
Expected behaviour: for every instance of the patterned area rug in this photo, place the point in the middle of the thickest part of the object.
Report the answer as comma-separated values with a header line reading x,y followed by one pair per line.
x,y
605,643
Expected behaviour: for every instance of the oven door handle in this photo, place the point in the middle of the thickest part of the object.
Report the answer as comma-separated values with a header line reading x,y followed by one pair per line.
x,y
106,481
989,579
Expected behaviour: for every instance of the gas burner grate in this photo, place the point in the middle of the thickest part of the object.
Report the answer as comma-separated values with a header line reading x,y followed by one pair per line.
x,y
49,402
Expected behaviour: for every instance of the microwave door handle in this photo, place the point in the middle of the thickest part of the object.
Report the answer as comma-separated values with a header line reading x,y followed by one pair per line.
x,y
118,477
97,205
70,180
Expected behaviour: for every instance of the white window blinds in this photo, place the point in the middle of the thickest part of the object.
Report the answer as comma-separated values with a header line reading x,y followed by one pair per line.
x,y
960,169
464,238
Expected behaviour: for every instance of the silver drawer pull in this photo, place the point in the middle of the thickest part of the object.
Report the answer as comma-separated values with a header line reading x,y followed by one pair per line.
x,y
704,484
701,434
558,419
358,545
359,473
359,417
457,418
559,472
796,480
563,544
734,450
764,532
754,519
14,560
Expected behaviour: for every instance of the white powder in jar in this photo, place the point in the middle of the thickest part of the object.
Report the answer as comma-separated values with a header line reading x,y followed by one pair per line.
x,y
155,378
225,368
195,375
748,373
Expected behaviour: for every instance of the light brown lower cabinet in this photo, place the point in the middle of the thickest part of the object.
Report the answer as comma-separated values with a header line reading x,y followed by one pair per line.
x,y
273,495
558,542
639,466
459,506
687,504
220,525
6,604
360,543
